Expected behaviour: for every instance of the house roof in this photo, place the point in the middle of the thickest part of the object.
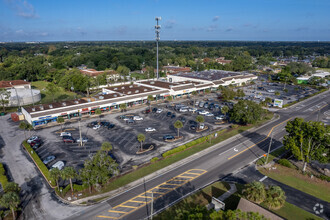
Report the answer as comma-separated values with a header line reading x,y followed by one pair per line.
x,y
9,84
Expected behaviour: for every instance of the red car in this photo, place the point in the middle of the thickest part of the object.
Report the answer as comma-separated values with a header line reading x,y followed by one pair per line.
x,y
68,139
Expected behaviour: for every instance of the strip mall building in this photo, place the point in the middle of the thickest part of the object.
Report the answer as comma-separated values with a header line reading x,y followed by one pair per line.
x,y
178,85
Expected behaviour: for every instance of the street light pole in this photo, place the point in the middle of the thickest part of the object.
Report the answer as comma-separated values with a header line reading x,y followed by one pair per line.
x,y
152,205
157,30
270,144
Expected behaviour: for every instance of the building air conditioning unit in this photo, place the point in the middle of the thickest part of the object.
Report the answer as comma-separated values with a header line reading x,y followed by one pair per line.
x,y
101,97
145,90
131,86
88,100
152,82
115,88
136,91
63,103
41,107
129,92
114,95
50,106
76,102
122,87
33,109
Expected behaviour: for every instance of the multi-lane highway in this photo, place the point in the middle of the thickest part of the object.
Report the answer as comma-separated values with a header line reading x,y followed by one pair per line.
x,y
224,159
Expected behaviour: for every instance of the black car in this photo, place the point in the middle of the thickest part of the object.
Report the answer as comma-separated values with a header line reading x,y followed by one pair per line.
x,y
168,137
169,114
182,119
36,145
111,126
92,124
173,116
192,122
104,123
154,110
193,127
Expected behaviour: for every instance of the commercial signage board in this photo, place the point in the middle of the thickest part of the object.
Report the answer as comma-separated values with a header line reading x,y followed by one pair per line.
x,y
278,103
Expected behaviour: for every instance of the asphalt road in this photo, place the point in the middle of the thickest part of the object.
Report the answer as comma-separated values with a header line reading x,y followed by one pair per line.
x,y
225,159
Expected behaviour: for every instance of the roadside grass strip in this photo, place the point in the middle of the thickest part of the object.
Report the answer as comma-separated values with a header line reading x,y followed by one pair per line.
x,y
154,193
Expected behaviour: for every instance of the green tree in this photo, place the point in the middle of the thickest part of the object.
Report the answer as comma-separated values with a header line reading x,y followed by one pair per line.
x,y
150,98
207,91
268,100
255,192
308,141
141,138
55,174
169,98
68,173
277,93
194,94
275,197
227,93
4,98
10,200
87,175
52,90
246,112
178,124
12,187
123,70
200,119
240,93
106,147
60,120
23,126
225,110
98,112
123,107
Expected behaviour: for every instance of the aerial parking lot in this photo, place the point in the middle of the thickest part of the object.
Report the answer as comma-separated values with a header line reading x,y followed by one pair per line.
x,y
122,129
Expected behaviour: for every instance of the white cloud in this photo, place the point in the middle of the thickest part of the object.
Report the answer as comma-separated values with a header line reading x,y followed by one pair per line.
x,y
22,8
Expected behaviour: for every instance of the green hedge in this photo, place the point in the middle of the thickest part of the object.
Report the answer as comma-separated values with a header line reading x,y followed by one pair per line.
x,y
286,163
3,177
154,159
38,161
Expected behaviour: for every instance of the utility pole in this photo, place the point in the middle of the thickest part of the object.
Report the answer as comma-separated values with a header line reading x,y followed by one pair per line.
x,y
80,131
157,30
270,144
152,205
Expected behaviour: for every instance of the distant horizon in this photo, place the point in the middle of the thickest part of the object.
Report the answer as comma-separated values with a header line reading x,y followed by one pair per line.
x,y
183,20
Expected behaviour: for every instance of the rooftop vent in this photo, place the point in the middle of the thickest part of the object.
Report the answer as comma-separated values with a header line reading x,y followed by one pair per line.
x,y
115,88
50,106
171,86
152,82
129,92
122,87
131,86
88,100
114,95
139,85
41,107
101,97
136,91
33,109
76,102
145,90
63,103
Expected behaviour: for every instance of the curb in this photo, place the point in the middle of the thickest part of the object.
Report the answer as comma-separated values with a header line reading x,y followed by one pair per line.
x,y
167,169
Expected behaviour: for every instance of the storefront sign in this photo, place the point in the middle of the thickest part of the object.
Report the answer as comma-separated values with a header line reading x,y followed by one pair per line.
x,y
45,117
64,113
278,103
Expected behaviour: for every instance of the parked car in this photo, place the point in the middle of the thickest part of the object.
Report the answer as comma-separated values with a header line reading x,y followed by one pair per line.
x,y
96,127
111,126
182,119
147,111
168,137
192,109
130,121
169,114
154,110
48,159
159,111
104,123
201,126
203,112
192,122
59,165
220,117
183,110
196,103
68,139
150,129
33,138
92,124
35,144
137,118
173,116
84,140
192,127
201,104
65,134
209,114
206,105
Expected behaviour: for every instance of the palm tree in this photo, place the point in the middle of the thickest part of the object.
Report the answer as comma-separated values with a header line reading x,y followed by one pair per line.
x,y
194,93
224,110
122,107
55,174
200,119
106,146
255,192
68,173
98,112
141,138
178,124
150,98
22,126
10,200
275,197
12,187
60,120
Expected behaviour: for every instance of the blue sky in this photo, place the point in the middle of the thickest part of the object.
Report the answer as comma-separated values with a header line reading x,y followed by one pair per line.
x,y
81,20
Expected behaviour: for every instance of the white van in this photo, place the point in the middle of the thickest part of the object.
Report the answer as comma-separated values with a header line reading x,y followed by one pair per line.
x,y
59,165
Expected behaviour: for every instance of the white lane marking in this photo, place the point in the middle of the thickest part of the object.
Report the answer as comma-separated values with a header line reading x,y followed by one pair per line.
x,y
235,149
263,178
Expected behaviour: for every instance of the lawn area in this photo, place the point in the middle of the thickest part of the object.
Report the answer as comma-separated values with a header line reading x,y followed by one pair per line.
x,y
47,98
292,212
202,198
272,156
292,177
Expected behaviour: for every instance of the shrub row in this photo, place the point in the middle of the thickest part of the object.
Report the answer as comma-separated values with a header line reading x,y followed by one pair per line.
x,y
286,163
154,159
37,160
78,188
3,177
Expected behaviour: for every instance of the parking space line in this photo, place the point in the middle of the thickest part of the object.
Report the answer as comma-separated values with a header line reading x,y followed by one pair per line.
x,y
160,186
111,210
103,216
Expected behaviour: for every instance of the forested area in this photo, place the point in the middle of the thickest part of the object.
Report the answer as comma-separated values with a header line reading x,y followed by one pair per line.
x,y
57,61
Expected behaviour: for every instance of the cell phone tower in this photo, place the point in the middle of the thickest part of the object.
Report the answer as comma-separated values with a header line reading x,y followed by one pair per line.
x,y
157,30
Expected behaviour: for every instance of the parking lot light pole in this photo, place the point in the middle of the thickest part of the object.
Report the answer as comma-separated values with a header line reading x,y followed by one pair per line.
x,y
157,30
270,144
80,131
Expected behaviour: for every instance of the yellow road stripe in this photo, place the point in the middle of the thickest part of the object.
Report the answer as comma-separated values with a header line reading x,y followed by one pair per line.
x,y
149,197
126,206
194,173
103,216
271,130
111,210
135,201
186,176
173,184
163,187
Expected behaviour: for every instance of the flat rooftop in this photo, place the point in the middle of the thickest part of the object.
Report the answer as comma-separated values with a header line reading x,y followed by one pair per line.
x,y
210,75
167,85
132,89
